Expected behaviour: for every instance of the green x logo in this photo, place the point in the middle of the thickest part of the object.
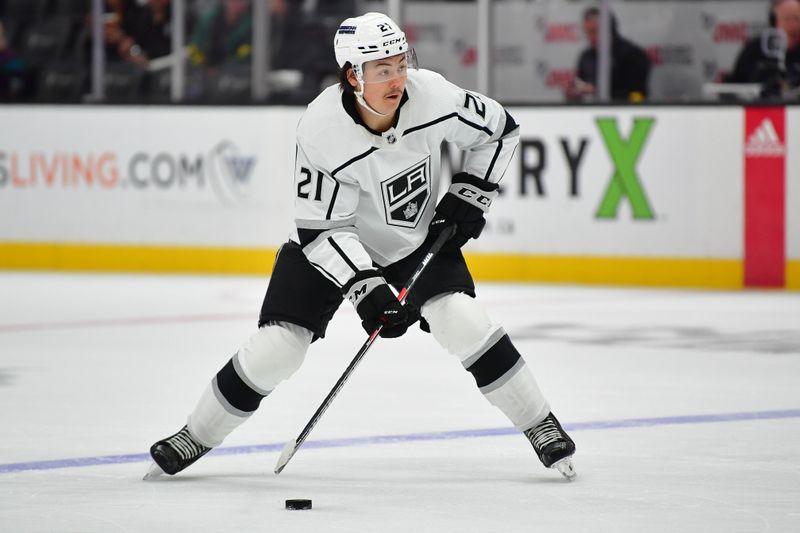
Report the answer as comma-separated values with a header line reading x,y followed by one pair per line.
x,y
625,182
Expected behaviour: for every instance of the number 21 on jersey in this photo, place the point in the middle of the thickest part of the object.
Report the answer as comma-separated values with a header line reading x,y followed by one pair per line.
x,y
304,185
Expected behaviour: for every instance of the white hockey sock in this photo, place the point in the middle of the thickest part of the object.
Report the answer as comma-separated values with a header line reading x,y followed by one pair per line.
x,y
461,326
271,355
210,422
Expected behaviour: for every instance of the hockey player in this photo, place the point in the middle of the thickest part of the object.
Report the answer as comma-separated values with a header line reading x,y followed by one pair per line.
x,y
366,177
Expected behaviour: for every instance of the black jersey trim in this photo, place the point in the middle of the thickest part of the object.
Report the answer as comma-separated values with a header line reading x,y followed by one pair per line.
x,y
333,175
307,236
431,123
494,159
325,273
349,104
341,253
447,117
333,199
350,162
476,126
511,125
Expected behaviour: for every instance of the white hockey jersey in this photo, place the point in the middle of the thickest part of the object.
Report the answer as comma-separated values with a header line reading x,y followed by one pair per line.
x,y
363,197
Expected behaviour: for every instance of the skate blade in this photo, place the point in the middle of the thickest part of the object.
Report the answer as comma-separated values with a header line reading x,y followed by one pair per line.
x,y
566,468
153,473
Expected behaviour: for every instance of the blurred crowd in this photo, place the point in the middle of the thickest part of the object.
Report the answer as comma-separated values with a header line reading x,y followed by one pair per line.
x,y
46,48
769,60
46,51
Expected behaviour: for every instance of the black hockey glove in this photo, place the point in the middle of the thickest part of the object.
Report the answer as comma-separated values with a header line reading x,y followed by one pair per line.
x,y
464,205
375,302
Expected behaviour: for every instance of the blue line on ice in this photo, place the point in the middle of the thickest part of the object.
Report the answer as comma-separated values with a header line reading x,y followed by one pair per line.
x,y
411,437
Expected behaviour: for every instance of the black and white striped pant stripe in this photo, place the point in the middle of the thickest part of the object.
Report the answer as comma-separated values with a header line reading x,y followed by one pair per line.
x,y
235,392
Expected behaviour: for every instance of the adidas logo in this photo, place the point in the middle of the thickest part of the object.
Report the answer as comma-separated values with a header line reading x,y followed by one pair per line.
x,y
764,141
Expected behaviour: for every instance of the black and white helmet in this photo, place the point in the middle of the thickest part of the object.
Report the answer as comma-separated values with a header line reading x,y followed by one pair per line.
x,y
366,38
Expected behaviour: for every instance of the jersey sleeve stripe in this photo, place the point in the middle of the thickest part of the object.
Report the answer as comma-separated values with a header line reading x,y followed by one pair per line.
x,y
431,123
325,224
476,126
322,236
510,126
342,254
326,273
511,156
494,159
333,199
446,117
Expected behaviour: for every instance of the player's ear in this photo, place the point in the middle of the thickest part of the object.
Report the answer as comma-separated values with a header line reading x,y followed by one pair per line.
x,y
351,79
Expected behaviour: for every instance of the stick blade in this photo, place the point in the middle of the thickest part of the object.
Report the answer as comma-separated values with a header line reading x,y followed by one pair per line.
x,y
286,455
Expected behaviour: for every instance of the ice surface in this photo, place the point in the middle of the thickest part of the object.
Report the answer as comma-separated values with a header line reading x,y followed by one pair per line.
x,y
684,405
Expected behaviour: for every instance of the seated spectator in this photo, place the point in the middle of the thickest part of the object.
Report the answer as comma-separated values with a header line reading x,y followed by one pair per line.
x,y
223,35
758,61
12,69
134,31
114,16
146,32
630,66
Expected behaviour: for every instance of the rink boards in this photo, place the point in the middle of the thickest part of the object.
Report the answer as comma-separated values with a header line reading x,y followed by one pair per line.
x,y
663,196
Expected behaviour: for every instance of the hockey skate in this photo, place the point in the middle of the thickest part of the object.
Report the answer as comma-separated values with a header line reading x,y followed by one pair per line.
x,y
175,453
553,446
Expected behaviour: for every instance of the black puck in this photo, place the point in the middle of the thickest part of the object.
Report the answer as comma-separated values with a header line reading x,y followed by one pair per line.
x,y
298,505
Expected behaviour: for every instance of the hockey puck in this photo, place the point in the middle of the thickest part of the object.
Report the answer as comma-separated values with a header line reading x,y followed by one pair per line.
x,y
298,505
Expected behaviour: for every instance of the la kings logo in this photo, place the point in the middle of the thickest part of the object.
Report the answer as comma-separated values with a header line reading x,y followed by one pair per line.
x,y
406,194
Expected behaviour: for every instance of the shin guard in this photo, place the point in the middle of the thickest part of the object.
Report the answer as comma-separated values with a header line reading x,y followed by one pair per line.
x,y
506,381
463,328
270,356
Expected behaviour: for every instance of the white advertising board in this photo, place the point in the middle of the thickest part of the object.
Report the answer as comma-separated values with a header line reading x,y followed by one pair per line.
x,y
591,181
173,176
634,181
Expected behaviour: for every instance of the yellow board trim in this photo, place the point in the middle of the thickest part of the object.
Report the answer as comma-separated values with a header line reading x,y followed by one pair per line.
x,y
793,275
135,258
650,271
635,271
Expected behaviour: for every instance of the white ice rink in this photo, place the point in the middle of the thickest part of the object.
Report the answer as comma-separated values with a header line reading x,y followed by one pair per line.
x,y
684,405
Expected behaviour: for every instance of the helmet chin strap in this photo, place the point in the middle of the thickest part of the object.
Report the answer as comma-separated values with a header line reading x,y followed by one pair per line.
x,y
363,102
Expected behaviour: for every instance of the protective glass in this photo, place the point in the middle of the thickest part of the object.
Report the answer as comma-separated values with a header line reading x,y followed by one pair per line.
x,y
381,71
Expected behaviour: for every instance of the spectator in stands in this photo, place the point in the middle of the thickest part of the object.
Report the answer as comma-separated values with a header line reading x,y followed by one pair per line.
x,y
757,61
113,31
223,35
12,68
630,66
146,32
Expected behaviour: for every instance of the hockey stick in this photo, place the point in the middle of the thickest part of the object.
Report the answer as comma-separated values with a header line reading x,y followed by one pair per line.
x,y
293,445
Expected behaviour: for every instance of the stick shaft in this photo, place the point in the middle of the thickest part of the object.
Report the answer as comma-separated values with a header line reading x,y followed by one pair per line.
x,y
289,451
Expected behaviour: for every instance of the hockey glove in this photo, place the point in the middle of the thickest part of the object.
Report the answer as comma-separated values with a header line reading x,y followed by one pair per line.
x,y
464,205
376,303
